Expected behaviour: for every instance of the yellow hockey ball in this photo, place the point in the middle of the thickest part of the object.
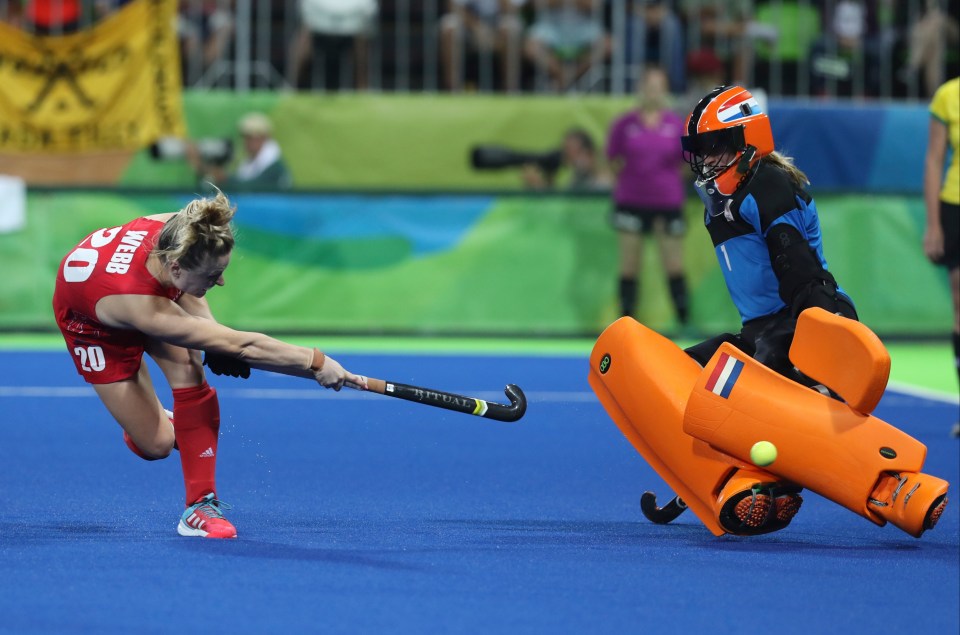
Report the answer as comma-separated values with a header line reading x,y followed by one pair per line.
x,y
763,453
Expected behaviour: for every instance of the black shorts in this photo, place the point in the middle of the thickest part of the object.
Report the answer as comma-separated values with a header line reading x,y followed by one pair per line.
x,y
640,220
950,223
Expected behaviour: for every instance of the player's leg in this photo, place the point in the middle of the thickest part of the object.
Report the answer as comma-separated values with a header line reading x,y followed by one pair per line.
x,y
133,403
631,254
703,351
196,423
668,230
955,338
452,51
630,234
955,292
950,226
510,39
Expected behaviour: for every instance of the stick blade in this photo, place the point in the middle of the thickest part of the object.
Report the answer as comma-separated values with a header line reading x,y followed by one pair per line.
x,y
661,515
516,409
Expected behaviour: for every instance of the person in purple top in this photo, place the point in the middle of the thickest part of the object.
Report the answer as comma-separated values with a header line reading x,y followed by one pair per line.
x,y
643,148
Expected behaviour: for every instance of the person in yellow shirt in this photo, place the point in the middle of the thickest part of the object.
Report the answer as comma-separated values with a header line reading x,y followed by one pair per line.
x,y
941,193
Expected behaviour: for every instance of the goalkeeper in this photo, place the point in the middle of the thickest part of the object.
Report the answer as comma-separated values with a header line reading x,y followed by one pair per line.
x,y
764,227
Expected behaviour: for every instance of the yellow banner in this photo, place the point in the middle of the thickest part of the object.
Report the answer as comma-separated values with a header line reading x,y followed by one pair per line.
x,y
114,86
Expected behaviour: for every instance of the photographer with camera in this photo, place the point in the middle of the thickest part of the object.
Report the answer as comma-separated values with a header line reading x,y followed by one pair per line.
x,y
578,153
539,169
262,167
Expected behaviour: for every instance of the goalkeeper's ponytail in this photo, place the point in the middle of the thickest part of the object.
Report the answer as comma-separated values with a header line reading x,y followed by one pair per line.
x,y
200,230
785,163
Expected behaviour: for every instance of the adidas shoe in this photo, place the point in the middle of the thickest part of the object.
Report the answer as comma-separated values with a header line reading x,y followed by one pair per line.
x,y
205,519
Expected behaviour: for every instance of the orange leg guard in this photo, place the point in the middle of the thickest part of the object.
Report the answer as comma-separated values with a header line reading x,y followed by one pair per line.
x,y
851,458
643,381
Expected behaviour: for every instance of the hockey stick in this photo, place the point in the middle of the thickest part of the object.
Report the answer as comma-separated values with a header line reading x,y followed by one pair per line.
x,y
661,515
450,401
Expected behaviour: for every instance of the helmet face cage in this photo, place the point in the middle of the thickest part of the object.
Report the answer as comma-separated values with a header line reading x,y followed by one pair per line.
x,y
714,146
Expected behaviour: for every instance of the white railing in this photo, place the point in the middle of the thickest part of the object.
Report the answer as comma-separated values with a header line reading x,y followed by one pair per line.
x,y
859,48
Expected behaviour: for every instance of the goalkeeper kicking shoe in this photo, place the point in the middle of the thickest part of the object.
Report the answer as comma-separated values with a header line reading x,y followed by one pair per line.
x,y
749,507
205,519
755,510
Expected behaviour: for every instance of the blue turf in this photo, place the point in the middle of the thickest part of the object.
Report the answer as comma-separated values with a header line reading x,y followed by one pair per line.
x,y
358,513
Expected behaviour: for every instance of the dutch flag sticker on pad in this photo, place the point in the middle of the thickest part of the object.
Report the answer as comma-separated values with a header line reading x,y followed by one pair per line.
x,y
724,375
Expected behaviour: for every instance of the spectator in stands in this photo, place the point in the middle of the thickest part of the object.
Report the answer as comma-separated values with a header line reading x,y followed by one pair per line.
x,y
103,8
11,13
941,241
704,71
205,28
580,158
644,151
566,39
654,35
847,56
334,38
52,17
928,37
727,29
488,30
262,167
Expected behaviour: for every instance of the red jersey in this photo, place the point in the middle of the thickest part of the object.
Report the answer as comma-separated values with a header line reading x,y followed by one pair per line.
x,y
111,261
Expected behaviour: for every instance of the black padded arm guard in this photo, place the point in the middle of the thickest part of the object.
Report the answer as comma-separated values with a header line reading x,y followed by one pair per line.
x,y
804,283
224,365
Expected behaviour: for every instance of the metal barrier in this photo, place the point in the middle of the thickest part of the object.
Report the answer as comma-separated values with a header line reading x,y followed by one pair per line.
x,y
828,48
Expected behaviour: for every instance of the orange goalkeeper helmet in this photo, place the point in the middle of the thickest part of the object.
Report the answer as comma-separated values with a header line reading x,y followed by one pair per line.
x,y
727,134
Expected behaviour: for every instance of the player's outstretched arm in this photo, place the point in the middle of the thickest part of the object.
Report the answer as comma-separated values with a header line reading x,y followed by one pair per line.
x,y
217,363
166,321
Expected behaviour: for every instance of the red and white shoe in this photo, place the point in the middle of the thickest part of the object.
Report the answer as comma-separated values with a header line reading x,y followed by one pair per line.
x,y
205,519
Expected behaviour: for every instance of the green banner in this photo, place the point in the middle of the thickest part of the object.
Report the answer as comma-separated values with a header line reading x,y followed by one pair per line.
x,y
367,141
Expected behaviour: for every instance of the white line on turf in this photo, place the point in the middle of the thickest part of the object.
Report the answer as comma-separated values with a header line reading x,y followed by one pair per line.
x,y
46,391
923,393
896,390
297,393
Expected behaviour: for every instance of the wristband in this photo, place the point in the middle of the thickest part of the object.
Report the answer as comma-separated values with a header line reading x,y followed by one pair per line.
x,y
318,359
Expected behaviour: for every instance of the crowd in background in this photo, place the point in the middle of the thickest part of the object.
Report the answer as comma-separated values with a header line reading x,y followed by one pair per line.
x,y
861,48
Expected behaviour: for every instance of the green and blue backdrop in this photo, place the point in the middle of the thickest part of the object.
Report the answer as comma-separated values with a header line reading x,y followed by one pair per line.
x,y
389,230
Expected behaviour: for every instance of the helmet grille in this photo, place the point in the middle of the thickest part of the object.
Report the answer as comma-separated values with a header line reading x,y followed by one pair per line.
x,y
712,146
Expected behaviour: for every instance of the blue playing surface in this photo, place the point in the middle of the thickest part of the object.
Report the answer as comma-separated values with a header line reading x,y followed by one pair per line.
x,y
359,513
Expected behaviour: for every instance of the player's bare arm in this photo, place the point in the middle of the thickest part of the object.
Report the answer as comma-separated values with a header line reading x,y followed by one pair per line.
x,y
198,307
166,321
